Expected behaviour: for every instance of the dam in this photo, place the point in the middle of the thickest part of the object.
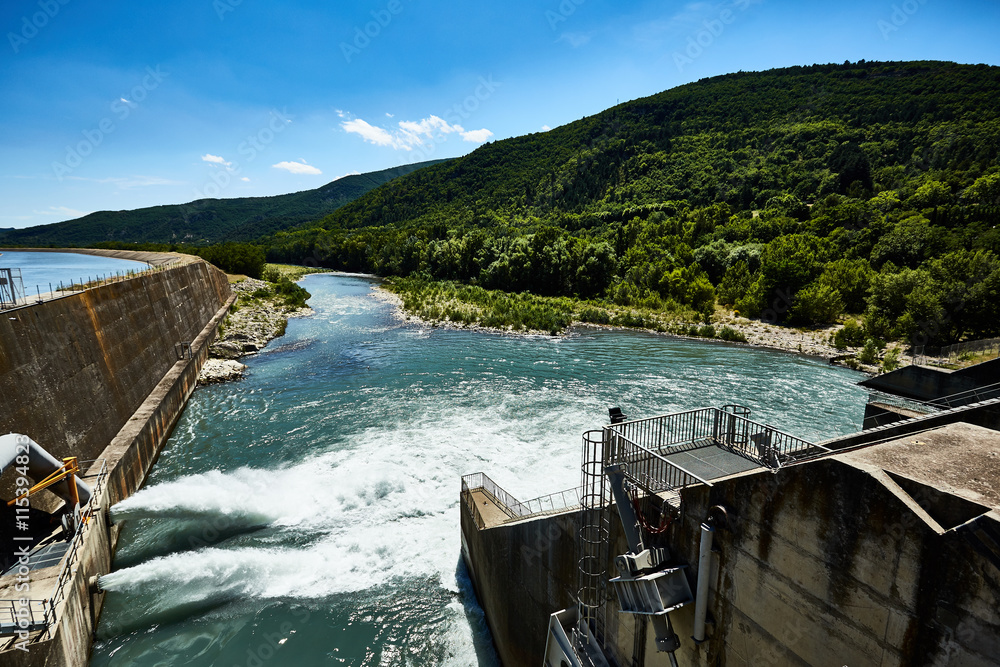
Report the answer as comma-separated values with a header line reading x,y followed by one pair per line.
x,y
96,374
374,419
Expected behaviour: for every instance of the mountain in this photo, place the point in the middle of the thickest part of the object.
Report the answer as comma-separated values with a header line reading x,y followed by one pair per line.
x,y
738,139
207,220
796,194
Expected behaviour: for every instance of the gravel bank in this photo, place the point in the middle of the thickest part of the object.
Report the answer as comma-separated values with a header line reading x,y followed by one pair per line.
x,y
251,324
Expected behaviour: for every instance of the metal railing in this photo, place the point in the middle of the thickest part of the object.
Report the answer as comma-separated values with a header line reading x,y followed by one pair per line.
x,y
977,395
61,290
956,400
920,407
648,469
12,612
47,608
727,427
559,501
987,348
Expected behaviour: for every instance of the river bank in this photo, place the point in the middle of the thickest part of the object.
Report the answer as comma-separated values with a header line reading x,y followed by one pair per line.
x,y
813,342
259,315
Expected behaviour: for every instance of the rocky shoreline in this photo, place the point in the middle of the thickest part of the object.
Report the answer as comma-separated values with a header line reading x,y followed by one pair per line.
x,y
256,320
253,321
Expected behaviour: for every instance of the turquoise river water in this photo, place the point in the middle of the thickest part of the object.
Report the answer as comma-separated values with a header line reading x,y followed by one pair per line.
x,y
308,514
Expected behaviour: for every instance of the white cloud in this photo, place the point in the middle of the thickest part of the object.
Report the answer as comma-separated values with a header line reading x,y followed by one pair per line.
x,y
63,211
245,179
409,133
350,173
298,168
389,115
370,133
545,128
215,159
477,136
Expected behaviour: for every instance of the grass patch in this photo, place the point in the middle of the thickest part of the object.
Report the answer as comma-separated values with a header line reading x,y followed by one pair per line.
x,y
275,272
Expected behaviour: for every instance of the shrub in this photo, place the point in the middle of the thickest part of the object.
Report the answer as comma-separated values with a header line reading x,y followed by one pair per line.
x,y
869,353
731,334
594,316
891,360
850,335
237,258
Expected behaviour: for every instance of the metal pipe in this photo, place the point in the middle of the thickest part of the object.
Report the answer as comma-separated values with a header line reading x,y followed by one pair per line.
x,y
704,568
41,464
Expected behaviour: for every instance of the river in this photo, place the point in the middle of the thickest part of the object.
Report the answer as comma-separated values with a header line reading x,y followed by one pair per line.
x,y
308,514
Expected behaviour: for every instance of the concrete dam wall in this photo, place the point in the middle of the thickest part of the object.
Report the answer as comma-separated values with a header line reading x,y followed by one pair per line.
x,y
74,370
102,374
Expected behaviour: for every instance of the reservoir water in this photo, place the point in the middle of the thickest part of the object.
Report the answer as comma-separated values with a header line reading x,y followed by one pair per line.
x,y
41,269
308,514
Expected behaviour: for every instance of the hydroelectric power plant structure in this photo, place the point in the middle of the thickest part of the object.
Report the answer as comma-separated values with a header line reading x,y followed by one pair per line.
x,y
92,379
699,537
706,538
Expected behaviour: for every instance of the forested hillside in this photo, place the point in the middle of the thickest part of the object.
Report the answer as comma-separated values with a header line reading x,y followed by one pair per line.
x,y
207,220
798,195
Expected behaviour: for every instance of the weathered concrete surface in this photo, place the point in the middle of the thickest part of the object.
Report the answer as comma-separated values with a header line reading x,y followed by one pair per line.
x,y
522,572
74,370
927,383
887,555
186,302
834,562
133,451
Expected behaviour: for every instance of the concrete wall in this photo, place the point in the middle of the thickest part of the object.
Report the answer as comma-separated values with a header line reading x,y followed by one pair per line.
x,y
102,365
522,572
74,370
927,383
526,570
820,564
825,564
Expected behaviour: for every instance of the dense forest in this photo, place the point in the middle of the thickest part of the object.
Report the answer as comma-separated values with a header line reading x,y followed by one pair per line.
x,y
801,196
206,220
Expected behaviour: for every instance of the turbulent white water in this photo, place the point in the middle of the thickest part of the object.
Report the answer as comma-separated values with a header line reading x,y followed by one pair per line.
x,y
322,491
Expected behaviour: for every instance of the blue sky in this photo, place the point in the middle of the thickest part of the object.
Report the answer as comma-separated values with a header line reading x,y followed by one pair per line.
x,y
120,105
